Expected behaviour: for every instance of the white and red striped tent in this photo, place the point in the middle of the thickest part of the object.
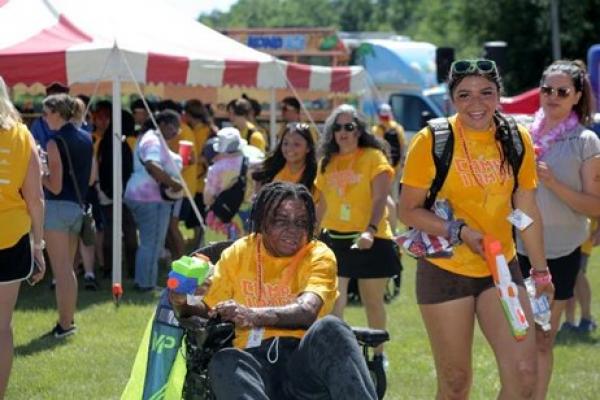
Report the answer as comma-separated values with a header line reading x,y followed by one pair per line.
x,y
76,41
143,41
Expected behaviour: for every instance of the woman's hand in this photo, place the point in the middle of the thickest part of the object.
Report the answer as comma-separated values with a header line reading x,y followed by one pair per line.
x,y
230,310
545,174
365,240
175,185
473,239
39,272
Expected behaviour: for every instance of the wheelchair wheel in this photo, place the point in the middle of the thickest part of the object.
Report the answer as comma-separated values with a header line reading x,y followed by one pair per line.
x,y
379,378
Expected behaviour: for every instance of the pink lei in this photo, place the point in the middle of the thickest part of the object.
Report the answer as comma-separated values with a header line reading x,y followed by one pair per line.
x,y
543,142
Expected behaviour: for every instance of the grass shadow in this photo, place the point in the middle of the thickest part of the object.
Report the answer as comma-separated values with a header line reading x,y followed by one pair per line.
x,y
41,343
565,338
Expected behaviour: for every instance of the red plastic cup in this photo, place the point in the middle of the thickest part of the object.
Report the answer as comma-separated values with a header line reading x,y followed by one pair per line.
x,y
185,151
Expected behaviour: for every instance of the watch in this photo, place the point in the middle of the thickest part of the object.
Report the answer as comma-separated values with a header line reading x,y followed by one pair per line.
x,y
39,246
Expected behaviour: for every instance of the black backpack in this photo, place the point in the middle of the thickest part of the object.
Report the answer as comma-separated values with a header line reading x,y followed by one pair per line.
x,y
443,147
391,137
228,202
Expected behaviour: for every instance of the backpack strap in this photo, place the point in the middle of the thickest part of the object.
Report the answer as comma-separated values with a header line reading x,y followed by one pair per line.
x,y
507,122
442,149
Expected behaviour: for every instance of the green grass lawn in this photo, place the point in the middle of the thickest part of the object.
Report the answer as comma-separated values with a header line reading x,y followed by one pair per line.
x,y
96,362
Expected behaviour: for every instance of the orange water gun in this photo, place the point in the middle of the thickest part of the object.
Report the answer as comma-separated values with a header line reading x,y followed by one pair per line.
x,y
508,291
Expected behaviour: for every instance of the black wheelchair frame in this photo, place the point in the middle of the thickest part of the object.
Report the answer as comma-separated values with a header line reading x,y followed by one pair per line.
x,y
204,337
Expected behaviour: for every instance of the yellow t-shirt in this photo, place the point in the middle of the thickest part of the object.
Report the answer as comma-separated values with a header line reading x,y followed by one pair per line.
x,y
201,133
482,208
131,142
15,151
588,246
188,172
96,138
285,175
256,139
283,281
380,129
346,187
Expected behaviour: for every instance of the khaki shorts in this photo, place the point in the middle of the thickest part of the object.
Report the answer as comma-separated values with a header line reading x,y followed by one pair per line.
x,y
436,285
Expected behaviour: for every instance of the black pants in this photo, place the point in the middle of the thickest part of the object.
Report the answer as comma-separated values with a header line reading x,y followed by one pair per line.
x,y
326,364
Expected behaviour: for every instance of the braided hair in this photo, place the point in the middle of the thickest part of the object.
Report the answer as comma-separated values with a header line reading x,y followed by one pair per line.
x,y
270,198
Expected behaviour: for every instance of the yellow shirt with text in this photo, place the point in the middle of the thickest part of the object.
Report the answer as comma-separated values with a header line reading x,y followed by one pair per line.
x,y
15,152
236,274
346,187
478,190
188,172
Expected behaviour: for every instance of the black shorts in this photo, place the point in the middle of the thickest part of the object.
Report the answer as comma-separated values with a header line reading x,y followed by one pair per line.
x,y
187,212
16,263
564,272
436,285
380,261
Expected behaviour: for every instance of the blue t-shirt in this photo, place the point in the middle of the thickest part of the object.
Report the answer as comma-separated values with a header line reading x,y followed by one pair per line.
x,y
41,132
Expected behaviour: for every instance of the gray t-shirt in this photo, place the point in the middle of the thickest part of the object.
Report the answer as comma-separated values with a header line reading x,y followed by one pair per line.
x,y
564,228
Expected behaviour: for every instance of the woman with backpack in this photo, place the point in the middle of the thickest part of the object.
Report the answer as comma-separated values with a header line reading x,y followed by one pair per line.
x,y
482,175
293,160
569,192
225,187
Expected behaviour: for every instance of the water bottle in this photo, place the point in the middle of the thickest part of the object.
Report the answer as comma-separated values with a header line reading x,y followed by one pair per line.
x,y
539,305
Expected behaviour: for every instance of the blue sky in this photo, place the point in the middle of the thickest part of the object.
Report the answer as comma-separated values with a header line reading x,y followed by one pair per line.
x,y
196,7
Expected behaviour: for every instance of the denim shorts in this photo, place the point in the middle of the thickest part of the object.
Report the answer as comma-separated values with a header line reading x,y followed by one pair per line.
x,y
64,216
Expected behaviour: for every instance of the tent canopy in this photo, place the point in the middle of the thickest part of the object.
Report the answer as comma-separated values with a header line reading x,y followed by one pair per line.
x,y
71,41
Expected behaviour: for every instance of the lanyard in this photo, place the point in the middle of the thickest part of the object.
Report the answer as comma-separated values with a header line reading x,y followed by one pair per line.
x,y
289,269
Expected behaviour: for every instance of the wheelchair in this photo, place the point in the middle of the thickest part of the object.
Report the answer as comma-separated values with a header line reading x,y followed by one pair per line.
x,y
204,337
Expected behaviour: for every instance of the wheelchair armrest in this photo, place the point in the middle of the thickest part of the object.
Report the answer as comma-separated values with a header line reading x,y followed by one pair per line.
x,y
370,337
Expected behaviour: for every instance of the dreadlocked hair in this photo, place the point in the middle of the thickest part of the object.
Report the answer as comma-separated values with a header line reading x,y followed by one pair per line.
x,y
269,199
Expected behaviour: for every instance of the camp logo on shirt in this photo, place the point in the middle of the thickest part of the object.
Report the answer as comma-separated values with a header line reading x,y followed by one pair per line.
x,y
488,171
340,180
273,294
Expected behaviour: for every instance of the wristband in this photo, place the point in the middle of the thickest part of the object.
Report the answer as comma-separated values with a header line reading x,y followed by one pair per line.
x,y
373,227
39,246
542,277
453,231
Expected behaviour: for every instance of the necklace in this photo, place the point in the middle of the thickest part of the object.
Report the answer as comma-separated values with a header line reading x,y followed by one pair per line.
x,y
544,141
288,271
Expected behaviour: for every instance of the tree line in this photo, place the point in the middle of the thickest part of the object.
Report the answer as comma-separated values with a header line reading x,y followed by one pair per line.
x,y
525,25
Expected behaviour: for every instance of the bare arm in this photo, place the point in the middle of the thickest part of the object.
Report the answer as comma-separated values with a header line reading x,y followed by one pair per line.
x,y
380,187
34,199
533,237
53,181
299,314
161,176
320,211
586,202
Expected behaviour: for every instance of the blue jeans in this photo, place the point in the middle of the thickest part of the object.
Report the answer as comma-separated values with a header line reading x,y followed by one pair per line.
x,y
152,220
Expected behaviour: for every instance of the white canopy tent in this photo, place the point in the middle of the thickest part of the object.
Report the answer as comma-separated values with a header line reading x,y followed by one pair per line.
x,y
143,41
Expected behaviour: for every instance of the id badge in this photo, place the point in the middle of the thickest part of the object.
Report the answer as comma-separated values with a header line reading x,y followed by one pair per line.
x,y
255,338
519,219
345,213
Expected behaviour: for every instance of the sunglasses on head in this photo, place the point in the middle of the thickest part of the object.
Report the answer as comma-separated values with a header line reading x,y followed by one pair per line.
x,y
470,66
349,127
298,126
561,92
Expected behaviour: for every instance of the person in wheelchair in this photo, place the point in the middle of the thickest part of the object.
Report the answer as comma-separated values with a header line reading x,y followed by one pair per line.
x,y
278,285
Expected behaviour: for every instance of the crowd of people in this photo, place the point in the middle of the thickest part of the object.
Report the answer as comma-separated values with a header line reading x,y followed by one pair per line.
x,y
313,214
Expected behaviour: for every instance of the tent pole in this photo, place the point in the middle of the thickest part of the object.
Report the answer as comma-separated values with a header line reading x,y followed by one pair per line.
x,y
117,181
273,119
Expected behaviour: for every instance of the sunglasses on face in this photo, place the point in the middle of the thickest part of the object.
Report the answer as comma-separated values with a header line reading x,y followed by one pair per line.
x,y
349,127
561,92
470,66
